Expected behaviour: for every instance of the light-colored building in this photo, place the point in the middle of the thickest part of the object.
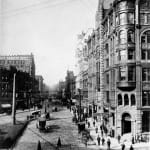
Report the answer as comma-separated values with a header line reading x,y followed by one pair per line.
x,y
125,50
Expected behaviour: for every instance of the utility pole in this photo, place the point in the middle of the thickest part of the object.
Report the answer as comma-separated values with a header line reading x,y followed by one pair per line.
x,y
79,104
14,101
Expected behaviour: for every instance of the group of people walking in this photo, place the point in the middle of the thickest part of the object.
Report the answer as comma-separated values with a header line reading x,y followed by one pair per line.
x,y
103,138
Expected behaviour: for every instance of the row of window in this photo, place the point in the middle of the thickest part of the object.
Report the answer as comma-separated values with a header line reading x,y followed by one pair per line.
x,y
129,54
12,62
125,100
127,73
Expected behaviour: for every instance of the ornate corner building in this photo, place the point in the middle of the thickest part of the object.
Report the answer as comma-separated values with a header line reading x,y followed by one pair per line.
x,y
125,65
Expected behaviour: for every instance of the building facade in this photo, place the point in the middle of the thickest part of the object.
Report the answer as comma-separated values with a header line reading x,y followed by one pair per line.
x,y
24,63
126,57
40,79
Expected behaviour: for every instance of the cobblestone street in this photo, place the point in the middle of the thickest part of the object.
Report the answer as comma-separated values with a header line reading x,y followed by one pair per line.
x,y
59,126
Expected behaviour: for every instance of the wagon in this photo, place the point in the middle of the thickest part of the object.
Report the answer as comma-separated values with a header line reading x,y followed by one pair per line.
x,y
41,124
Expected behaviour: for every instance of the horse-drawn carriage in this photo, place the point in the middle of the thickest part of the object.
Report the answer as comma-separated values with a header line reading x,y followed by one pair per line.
x,y
41,124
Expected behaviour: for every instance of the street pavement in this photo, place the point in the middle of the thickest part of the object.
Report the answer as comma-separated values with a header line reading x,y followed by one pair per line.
x,y
60,125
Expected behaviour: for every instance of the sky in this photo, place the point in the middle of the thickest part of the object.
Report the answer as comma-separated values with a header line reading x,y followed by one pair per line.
x,y
48,29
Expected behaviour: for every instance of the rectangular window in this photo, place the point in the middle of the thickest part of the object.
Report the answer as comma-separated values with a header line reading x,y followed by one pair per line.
x,y
107,63
131,54
146,98
123,55
143,39
107,78
148,18
148,54
143,74
131,73
123,73
107,96
146,74
143,54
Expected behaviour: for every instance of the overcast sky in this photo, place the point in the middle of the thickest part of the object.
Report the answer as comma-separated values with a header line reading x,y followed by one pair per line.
x,y
48,29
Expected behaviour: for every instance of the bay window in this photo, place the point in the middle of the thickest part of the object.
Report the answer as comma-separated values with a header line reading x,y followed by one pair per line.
x,y
122,37
123,18
130,18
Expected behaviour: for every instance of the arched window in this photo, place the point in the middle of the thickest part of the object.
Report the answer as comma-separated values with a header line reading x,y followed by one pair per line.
x,y
119,99
132,100
126,100
122,37
130,36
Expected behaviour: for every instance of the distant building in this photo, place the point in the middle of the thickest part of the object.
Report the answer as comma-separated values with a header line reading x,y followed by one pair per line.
x,y
70,89
24,63
40,79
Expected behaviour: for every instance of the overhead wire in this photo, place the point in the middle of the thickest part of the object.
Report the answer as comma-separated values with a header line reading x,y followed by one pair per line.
x,y
33,7
38,6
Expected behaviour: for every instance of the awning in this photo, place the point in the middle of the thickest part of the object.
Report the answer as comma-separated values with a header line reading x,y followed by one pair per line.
x,y
6,105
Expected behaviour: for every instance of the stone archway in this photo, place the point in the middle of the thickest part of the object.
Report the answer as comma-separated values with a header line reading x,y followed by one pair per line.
x,y
126,123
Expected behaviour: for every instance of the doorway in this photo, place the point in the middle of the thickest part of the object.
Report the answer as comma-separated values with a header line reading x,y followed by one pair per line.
x,y
126,123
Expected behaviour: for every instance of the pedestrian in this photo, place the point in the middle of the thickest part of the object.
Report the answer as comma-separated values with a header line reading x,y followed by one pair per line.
x,y
108,144
119,137
86,120
103,141
102,132
96,129
132,139
123,146
59,143
98,140
88,124
101,127
131,148
94,123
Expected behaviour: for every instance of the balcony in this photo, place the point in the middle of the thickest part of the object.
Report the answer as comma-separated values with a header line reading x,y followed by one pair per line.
x,y
126,85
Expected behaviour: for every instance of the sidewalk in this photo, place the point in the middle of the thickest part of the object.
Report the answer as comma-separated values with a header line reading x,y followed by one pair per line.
x,y
114,142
